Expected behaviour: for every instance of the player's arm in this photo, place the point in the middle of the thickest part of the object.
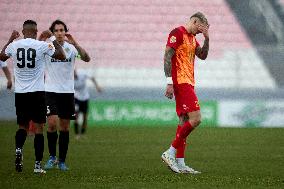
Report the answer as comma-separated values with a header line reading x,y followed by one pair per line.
x,y
59,52
82,52
98,88
202,52
169,53
15,34
8,76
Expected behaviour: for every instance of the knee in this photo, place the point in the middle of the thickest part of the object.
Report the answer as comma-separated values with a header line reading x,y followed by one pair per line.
x,y
64,125
52,123
64,128
196,121
39,129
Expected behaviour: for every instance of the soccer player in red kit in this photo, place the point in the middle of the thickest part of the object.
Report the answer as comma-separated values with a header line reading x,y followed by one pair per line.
x,y
180,52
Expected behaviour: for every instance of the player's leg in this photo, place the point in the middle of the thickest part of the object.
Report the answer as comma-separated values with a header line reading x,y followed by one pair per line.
x,y
76,123
188,126
84,109
181,150
63,142
39,147
191,108
66,112
52,137
185,130
52,121
169,156
186,104
84,125
39,119
23,118
20,139
174,156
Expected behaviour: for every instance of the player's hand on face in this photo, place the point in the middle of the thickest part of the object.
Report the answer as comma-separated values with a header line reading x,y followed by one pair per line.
x,y
9,84
169,91
70,39
15,34
203,28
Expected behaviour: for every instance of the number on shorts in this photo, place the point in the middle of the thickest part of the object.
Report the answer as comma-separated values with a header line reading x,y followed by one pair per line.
x,y
197,104
47,110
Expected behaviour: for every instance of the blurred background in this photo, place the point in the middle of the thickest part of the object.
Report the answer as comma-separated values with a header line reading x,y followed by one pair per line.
x,y
239,85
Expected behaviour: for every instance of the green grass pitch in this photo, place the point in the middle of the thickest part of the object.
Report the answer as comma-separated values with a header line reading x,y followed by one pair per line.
x,y
125,157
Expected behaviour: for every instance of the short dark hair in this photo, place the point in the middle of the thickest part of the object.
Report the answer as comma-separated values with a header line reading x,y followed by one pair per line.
x,y
29,22
58,22
200,16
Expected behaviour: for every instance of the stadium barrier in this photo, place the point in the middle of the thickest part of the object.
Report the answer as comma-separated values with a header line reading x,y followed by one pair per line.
x,y
162,113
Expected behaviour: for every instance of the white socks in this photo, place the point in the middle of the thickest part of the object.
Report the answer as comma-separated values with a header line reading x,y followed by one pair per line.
x,y
180,161
172,151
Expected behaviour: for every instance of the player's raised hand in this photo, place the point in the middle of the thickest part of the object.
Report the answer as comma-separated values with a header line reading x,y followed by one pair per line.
x,y
70,39
15,34
169,91
204,30
45,35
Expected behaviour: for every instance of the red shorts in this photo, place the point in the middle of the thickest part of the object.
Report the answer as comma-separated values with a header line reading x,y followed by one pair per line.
x,y
186,99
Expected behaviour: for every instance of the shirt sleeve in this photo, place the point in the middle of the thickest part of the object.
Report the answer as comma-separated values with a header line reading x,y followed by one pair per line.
x,y
9,51
48,48
75,52
3,64
174,39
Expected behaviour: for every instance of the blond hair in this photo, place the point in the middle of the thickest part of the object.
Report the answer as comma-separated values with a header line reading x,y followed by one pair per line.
x,y
200,16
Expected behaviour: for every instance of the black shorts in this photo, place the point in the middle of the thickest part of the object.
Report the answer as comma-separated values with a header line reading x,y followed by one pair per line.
x,y
81,106
30,106
61,104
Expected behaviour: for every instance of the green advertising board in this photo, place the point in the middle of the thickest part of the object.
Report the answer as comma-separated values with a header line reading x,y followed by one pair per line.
x,y
144,113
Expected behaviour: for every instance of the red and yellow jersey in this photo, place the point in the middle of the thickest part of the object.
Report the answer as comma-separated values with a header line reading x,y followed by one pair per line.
x,y
184,44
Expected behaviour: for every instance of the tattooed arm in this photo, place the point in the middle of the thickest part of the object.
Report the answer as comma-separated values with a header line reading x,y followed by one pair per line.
x,y
169,52
203,52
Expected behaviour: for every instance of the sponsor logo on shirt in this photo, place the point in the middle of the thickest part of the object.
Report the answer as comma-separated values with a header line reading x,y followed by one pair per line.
x,y
173,39
65,60
50,46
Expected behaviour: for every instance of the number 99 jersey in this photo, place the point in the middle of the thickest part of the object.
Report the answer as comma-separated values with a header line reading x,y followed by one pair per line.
x,y
29,63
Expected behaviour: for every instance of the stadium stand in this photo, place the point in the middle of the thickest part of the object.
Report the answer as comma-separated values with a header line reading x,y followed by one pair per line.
x,y
126,39
263,23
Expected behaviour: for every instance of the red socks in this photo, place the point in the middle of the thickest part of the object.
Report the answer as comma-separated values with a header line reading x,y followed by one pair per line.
x,y
180,140
181,149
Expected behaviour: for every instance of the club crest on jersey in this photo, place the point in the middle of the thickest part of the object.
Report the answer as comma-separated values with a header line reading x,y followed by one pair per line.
x,y
173,39
50,46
